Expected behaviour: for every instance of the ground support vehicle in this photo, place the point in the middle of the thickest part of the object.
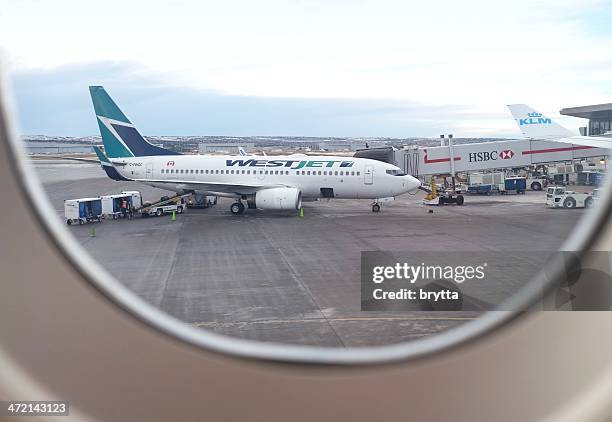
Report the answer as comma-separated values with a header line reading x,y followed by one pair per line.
x,y
559,197
82,210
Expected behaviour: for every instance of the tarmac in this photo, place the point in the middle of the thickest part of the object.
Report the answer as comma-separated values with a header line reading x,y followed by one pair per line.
x,y
272,276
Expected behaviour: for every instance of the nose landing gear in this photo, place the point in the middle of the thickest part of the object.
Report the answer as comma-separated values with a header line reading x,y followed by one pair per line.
x,y
237,208
375,207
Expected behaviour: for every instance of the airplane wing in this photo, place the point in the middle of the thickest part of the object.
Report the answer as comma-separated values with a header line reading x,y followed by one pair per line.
x,y
589,141
535,125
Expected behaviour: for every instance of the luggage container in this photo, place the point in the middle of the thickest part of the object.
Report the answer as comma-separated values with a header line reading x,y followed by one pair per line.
x,y
590,178
515,184
136,198
83,210
486,183
111,205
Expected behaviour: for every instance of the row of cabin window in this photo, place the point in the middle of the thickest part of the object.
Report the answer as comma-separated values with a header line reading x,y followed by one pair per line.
x,y
276,172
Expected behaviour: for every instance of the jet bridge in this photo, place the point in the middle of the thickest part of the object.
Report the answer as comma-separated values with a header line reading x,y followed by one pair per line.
x,y
428,161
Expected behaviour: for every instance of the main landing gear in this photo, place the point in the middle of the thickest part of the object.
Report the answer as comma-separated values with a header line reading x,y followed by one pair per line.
x,y
237,208
375,207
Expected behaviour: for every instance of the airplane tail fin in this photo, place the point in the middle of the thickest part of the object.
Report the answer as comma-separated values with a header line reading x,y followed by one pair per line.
x,y
535,125
107,166
121,139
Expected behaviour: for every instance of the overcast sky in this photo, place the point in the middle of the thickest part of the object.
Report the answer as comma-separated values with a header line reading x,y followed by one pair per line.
x,y
306,67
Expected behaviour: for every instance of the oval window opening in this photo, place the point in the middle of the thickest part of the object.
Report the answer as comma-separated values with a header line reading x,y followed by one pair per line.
x,y
317,249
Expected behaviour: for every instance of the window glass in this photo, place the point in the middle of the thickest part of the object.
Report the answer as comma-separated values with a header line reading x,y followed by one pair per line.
x,y
266,282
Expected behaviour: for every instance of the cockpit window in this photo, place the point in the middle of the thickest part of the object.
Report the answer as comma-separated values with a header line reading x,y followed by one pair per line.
x,y
395,172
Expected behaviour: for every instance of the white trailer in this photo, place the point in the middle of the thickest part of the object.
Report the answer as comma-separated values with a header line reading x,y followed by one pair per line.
x,y
136,197
486,183
559,197
82,210
111,205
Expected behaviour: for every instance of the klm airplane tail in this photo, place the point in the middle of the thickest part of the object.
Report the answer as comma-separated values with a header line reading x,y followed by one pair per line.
x,y
535,125
107,166
121,139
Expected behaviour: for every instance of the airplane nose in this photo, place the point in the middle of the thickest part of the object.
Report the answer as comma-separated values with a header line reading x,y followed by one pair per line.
x,y
412,183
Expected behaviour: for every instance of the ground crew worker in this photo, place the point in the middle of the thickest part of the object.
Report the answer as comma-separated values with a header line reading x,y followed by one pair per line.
x,y
124,207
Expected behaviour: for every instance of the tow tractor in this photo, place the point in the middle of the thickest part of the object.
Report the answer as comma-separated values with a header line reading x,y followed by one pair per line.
x,y
559,197
448,197
201,201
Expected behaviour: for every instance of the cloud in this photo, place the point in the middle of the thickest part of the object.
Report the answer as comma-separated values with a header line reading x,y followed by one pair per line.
x,y
367,67
56,102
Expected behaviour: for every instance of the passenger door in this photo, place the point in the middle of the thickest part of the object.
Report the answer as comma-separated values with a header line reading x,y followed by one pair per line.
x,y
368,175
260,173
149,171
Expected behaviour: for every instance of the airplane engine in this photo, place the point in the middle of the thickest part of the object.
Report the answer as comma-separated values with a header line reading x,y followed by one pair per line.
x,y
276,199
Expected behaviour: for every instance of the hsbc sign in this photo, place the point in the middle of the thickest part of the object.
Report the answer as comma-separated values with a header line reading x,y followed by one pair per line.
x,y
475,157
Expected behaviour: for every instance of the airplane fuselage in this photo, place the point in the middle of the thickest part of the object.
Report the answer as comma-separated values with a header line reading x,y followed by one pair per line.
x,y
314,176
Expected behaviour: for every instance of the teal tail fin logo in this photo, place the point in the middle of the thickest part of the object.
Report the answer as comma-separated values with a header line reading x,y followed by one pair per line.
x,y
119,136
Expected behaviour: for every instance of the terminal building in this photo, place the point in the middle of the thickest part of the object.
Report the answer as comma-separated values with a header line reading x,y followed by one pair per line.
x,y
350,145
600,118
224,147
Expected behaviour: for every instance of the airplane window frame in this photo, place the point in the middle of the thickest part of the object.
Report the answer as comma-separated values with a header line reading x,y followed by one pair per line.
x,y
583,237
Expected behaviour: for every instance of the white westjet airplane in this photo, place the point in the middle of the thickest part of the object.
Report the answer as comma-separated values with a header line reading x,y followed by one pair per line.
x,y
278,182
536,126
